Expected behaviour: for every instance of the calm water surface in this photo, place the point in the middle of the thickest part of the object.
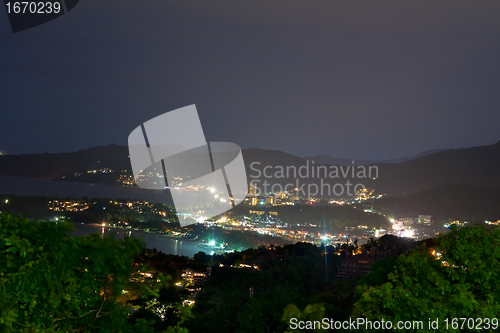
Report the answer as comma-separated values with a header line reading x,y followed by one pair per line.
x,y
160,242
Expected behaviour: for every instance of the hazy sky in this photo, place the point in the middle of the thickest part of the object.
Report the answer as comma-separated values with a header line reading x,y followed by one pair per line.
x,y
362,79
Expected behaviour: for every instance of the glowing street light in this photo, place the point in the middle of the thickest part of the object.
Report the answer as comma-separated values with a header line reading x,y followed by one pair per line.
x,y
212,243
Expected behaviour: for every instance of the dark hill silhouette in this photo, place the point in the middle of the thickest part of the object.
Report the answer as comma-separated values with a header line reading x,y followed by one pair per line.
x,y
451,201
54,165
269,158
476,166
325,159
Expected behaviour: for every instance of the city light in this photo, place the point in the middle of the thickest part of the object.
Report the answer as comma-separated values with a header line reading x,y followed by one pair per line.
x,y
6,201
408,233
212,243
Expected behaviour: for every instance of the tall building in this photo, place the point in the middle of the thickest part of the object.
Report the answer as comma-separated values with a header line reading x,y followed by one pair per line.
x,y
192,276
253,189
271,200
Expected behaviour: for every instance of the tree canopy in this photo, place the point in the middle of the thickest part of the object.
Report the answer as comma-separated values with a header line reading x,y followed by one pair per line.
x,y
52,282
456,279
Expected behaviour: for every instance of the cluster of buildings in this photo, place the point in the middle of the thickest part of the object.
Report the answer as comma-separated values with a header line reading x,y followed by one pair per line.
x,y
103,170
141,207
267,222
68,206
191,276
306,232
286,198
193,280
272,200
410,227
126,180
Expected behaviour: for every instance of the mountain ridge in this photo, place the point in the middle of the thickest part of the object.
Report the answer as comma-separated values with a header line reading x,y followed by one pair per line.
x,y
445,202
326,159
475,166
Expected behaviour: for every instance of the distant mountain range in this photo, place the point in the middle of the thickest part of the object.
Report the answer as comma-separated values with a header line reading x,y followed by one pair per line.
x,y
325,159
476,166
450,201
56,165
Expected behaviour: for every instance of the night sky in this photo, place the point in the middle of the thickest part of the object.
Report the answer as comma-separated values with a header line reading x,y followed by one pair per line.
x,y
360,79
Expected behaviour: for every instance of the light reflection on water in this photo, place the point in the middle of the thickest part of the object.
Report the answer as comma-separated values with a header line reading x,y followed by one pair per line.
x,y
46,187
160,242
